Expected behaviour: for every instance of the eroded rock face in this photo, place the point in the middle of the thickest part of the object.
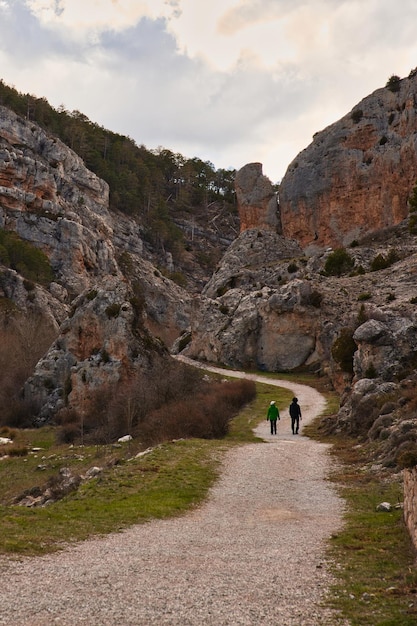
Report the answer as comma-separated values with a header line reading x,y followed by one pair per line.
x,y
101,343
51,199
356,175
243,330
257,200
255,312
256,258
103,286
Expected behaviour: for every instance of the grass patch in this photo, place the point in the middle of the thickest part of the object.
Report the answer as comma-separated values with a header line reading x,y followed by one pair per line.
x,y
166,482
373,556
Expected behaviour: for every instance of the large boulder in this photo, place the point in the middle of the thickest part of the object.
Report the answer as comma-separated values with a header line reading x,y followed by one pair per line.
x,y
266,329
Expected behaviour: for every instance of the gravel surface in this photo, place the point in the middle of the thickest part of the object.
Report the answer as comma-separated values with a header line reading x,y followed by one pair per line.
x,y
253,553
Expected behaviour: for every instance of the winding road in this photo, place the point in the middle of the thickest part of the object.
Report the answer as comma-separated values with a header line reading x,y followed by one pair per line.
x,y
253,553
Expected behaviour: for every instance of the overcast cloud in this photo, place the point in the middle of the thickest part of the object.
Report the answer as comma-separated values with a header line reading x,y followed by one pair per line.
x,y
229,81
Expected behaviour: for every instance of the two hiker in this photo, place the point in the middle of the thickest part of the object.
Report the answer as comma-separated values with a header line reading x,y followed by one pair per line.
x,y
295,414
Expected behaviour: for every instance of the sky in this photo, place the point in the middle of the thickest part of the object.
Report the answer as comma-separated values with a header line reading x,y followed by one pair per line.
x,y
227,81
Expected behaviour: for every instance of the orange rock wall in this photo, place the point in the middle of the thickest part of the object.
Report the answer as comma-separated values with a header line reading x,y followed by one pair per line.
x,y
357,174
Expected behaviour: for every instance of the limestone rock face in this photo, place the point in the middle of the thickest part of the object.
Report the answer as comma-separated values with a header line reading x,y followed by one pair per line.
x,y
103,342
244,330
254,312
51,199
356,175
256,258
385,348
107,303
257,200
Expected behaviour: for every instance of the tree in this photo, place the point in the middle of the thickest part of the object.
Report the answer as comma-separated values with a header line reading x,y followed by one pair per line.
x,y
394,83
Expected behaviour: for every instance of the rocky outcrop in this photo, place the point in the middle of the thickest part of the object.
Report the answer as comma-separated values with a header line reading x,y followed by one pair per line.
x,y
52,200
256,258
102,342
49,198
266,329
255,312
410,503
106,303
257,201
357,174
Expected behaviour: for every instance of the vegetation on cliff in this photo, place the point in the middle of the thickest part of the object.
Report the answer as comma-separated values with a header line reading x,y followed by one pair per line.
x,y
138,177
150,184
25,258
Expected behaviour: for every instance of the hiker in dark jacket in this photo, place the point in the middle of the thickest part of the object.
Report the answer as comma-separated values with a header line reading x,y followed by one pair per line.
x,y
295,413
273,416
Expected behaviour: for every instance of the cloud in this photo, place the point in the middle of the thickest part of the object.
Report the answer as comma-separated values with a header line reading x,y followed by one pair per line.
x,y
228,81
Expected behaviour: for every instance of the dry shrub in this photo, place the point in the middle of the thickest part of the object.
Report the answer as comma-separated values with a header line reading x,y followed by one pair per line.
x,y
24,338
5,431
172,401
18,413
206,415
69,421
15,450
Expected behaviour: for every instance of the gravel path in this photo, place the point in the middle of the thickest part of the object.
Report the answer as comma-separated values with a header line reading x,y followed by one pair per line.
x,y
252,554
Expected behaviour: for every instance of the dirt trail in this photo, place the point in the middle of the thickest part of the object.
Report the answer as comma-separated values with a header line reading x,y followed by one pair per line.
x,y
252,554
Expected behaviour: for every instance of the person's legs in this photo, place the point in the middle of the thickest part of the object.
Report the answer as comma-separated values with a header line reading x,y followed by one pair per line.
x,y
272,427
275,427
292,424
297,425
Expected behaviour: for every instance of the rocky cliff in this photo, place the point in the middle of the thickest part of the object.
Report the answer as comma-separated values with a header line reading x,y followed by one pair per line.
x,y
357,174
282,298
257,199
105,301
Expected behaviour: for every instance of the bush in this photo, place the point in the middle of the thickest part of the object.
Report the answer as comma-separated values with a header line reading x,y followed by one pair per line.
x,y
357,115
343,350
292,268
18,450
338,262
113,310
91,295
393,83
412,224
407,458
18,413
315,299
205,416
362,315
171,401
380,262
412,203
23,257
371,371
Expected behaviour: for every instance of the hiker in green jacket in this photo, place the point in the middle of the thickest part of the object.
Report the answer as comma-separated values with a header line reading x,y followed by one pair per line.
x,y
273,416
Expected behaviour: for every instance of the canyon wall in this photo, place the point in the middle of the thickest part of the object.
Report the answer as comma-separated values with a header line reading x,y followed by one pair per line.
x,y
357,174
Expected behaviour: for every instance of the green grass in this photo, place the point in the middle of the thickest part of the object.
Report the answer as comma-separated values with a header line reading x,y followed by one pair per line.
x,y
373,556
377,580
